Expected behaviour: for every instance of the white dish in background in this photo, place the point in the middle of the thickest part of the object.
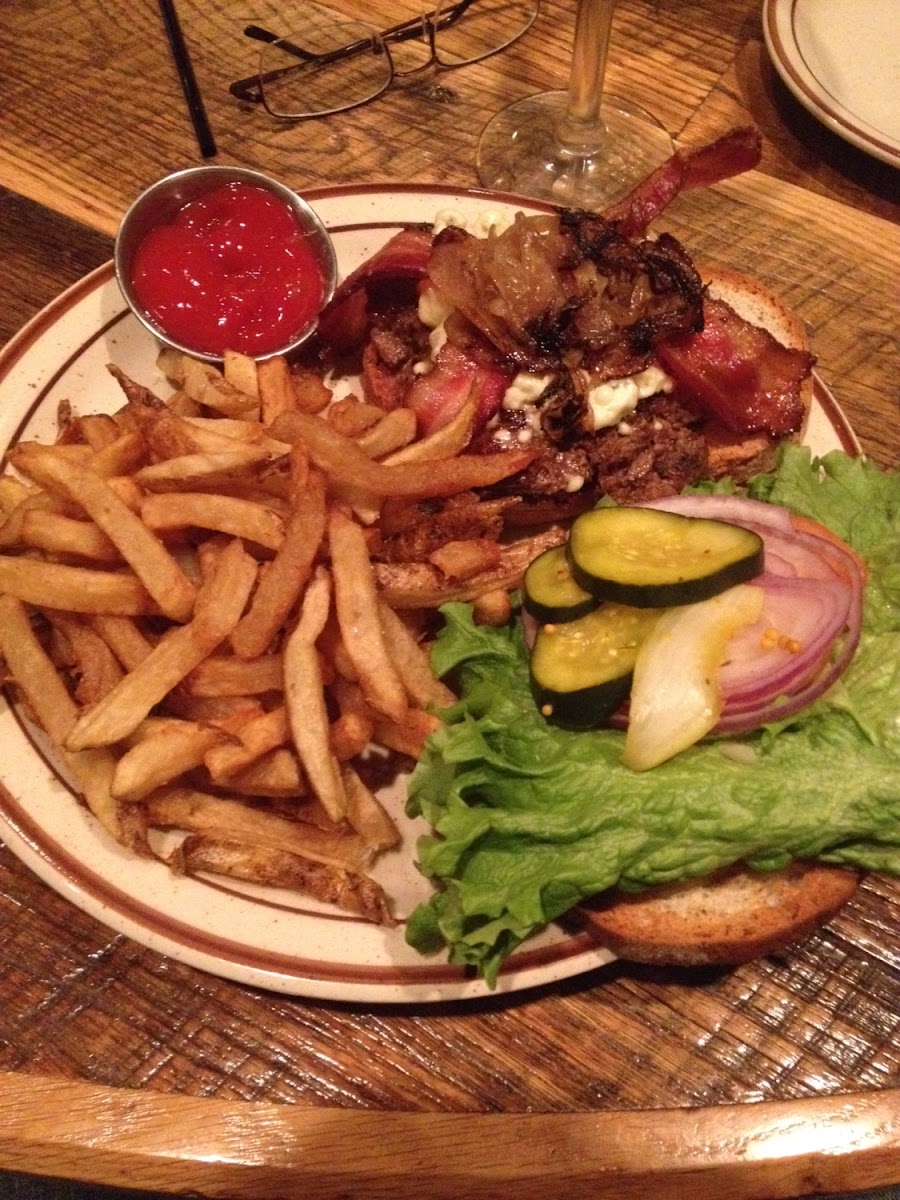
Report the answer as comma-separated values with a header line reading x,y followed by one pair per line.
x,y
264,938
841,59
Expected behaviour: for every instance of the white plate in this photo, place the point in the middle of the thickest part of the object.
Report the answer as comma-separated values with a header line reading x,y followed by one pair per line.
x,y
841,59
263,938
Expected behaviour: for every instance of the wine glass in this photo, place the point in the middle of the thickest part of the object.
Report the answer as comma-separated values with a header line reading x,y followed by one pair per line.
x,y
579,148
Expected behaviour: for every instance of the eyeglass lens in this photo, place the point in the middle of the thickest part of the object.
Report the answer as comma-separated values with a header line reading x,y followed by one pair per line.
x,y
325,82
486,27
322,67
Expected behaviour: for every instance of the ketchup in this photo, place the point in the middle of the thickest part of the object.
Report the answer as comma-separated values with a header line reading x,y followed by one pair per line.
x,y
234,270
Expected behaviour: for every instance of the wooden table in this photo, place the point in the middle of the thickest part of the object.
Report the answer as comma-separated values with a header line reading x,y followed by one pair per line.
x,y
119,1066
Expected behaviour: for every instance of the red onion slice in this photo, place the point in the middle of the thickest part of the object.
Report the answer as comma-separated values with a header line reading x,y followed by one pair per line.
x,y
736,509
801,620
745,721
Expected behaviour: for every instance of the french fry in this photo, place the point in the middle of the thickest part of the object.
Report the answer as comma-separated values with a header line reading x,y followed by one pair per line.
x,y
268,490
305,700
121,634
208,552
215,710
396,429
311,393
352,416
186,471
170,363
350,733
407,736
223,675
466,558
348,890
33,671
96,667
256,737
94,770
12,492
55,711
72,452
136,394
367,814
168,750
275,388
34,499
168,511
275,774
283,579
241,372
412,662
356,603
183,647
127,491
146,555
445,442
121,457
98,430
222,432
333,651
343,461
207,385
60,535
201,812
75,589
347,694
168,434
182,405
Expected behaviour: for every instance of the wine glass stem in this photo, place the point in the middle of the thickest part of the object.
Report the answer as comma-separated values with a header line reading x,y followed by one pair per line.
x,y
582,130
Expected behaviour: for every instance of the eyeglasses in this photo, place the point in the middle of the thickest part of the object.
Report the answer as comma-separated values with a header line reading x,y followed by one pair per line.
x,y
327,67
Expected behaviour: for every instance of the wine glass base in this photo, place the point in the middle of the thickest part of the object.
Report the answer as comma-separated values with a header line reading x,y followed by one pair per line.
x,y
521,150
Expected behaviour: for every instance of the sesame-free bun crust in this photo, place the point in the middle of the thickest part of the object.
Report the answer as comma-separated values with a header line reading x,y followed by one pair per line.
x,y
754,302
728,918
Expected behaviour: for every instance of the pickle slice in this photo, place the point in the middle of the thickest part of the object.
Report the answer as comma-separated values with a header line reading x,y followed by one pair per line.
x,y
646,557
550,592
581,670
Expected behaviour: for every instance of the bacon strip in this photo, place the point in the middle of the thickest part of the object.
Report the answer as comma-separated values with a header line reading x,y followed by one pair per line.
x,y
437,396
734,152
739,374
343,321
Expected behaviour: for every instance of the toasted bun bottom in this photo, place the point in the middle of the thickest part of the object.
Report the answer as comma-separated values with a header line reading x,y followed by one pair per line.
x,y
728,918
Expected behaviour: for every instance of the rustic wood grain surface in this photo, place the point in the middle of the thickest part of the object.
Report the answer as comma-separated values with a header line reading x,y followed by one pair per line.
x,y
121,1066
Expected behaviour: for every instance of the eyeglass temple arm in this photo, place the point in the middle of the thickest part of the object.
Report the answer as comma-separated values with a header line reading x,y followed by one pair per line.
x,y
266,35
248,89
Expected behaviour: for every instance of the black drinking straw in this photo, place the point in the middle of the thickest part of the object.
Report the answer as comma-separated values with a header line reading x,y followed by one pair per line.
x,y
202,129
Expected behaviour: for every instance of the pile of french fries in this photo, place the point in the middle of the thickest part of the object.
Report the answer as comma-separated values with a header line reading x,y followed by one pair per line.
x,y
192,608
